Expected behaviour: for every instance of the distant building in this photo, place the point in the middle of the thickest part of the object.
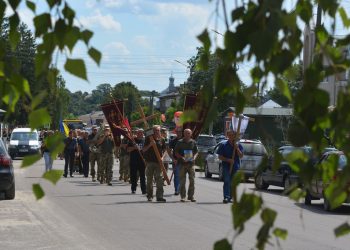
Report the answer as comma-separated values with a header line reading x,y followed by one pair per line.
x,y
332,84
169,95
270,125
94,118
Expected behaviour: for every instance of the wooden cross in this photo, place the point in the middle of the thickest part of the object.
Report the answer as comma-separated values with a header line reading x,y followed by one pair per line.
x,y
154,146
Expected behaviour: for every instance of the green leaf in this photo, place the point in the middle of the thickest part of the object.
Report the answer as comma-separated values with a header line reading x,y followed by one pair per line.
x,y
205,39
280,233
68,13
38,191
53,175
38,99
31,5
38,118
72,37
344,17
297,194
51,3
95,55
268,216
14,3
222,245
76,67
283,87
42,24
342,230
55,144
30,160
86,35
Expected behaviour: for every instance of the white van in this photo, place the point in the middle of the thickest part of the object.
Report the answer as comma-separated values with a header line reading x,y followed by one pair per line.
x,y
23,141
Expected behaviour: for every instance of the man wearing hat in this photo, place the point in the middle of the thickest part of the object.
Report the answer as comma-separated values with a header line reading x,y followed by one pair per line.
x,y
106,144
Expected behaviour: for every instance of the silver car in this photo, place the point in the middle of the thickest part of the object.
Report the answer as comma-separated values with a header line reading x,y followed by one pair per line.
x,y
254,152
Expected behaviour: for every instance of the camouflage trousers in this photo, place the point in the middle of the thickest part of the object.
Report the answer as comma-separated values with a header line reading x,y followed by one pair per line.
x,y
124,166
93,158
153,170
105,169
187,169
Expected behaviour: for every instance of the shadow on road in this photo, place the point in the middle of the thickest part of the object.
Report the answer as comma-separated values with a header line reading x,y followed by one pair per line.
x,y
213,203
318,208
138,202
275,191
87,195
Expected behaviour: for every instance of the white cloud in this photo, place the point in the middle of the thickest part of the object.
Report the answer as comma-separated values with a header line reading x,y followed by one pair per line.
x,y
115,48
142,41
106,22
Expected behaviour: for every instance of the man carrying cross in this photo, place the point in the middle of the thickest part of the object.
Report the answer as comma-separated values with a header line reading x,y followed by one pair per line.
x,y
230,152
153,168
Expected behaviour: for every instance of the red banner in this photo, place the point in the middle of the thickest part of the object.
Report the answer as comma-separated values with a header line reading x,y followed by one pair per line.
x,y
114,113
193,102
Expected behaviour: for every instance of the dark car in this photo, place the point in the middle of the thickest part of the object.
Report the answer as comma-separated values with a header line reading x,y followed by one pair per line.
x,y
317,187
284,176
7,178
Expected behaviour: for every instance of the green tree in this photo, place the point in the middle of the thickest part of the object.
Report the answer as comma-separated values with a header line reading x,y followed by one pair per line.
x,y
294,79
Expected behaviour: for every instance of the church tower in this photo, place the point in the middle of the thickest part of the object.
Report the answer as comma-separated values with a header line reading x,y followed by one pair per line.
x,y
171,84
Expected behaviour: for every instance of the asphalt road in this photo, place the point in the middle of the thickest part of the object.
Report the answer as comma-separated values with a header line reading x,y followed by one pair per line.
x,y
80,214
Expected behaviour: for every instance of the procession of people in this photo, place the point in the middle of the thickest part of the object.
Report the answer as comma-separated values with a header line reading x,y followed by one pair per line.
x,y
139,162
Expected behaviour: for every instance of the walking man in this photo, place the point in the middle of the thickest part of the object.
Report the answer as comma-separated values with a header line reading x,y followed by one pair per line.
x,y
136,162
93,154
106,144
84,152
176,166
186,152
225,153
70,147
152,164
124,167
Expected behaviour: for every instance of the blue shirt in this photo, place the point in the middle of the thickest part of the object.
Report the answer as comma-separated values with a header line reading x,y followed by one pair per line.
x,y
226,150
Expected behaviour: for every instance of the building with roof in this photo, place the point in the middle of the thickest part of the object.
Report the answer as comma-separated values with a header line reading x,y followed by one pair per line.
x,y
270,126
167,96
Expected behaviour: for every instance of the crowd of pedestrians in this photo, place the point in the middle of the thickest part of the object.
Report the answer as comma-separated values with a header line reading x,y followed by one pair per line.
x,y
139,162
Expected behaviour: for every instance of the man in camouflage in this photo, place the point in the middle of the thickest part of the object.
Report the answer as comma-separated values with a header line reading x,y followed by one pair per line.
x,y
124,166
106,144
94,153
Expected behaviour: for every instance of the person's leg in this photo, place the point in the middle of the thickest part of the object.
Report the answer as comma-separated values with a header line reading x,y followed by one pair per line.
x,y
141,170
66,164
191,176
182,181
133,175
109,168
71,163
159,182
92,158
227,182
50,162
86,164
47,161
149,172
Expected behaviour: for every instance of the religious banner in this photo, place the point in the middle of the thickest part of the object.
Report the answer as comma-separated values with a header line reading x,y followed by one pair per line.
x,y
243,126
194,103
114,113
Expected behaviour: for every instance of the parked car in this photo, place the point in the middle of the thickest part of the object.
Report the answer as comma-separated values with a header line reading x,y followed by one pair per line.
x,y
23,141
317,187
7,178
204,144
284,176
253,153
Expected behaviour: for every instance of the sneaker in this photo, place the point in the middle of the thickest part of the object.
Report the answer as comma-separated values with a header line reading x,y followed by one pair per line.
x,y
182,200
65,176
193,200
176,193
93,179
161,200
225,201
109,184
133,192
149,199
71,176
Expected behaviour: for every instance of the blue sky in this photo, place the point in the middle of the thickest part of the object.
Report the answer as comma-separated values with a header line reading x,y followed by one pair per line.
x,y
141,39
